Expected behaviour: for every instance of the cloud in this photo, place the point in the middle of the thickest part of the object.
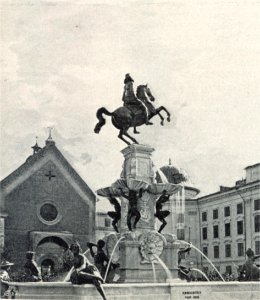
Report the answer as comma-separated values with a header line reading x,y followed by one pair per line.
x,y
62,61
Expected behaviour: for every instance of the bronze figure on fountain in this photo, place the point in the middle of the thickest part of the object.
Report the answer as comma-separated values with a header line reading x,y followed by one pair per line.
x,y
162,214
137,110
83,271
115,215
133,211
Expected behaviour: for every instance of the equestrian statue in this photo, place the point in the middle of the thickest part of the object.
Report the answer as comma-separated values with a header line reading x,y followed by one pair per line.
x,y
136,111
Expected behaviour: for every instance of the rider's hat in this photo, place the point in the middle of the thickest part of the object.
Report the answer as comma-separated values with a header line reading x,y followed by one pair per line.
x,y
128,78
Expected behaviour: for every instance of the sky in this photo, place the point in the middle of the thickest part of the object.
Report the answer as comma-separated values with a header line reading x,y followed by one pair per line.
x,y
62,60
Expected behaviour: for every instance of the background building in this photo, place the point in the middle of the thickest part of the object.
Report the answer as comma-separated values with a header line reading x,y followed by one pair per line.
x,y
230,222
45,205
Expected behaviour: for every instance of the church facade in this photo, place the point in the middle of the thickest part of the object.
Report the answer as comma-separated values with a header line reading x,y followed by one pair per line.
x,y
45,206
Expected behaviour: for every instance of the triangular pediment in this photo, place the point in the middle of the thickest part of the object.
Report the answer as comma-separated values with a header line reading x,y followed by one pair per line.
x,y
42,163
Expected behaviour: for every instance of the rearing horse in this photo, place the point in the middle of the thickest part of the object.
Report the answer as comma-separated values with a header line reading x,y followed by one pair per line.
x,y
125,117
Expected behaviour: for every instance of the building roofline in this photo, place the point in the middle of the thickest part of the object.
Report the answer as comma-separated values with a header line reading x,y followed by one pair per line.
x,y
231,189
33,159
248,167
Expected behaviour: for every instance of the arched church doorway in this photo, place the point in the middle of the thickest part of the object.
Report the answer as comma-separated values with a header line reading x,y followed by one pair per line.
x,y
49,254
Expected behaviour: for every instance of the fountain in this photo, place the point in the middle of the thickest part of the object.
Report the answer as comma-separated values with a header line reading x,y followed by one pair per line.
x,y
144,255
143,245
148,260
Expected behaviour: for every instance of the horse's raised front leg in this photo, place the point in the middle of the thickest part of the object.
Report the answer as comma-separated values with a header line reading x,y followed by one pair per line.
x,y
162,118
135,131
163,108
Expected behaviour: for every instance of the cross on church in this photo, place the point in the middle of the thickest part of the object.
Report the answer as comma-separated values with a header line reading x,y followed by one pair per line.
x,y
50,175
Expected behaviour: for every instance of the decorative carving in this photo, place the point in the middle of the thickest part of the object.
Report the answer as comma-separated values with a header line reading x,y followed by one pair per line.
x,y
144,209
151,243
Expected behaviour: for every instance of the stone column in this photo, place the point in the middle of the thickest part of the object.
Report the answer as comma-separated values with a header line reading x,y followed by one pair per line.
x,y
138,163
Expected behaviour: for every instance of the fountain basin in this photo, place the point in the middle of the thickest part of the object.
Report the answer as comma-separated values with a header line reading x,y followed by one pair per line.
x,y
174,290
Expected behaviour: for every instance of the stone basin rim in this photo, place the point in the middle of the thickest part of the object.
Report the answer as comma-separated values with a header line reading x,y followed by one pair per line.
x,y
171,283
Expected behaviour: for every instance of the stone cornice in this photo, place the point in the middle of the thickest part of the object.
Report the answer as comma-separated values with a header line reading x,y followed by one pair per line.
x,y
221,195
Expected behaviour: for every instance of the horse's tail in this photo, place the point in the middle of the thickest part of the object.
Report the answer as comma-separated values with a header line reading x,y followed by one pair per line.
x,y
101,119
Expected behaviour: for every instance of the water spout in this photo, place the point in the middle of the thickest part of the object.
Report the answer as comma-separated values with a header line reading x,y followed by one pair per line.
x,y
168,273
154,274
181,241
202,273
111,256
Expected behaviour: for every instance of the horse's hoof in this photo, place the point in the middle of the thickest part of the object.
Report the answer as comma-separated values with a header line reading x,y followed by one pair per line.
x,y
136,132
168,119
149,123
162,123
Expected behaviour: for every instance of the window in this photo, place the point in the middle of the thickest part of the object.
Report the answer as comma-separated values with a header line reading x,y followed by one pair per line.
x,y
257,204
204,233
205,250
239,208
107,222
227,229
240,249
257,223
204,216
227,211
257,247
215,213
228,250
48,212
229,270
216,251
215,231
240,227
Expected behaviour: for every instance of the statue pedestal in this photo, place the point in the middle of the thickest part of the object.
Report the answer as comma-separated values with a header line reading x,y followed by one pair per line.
x,y
134,268
144,254
138,164
137,250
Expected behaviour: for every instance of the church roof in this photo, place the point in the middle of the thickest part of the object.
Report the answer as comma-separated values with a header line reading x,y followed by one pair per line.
x,y
31,161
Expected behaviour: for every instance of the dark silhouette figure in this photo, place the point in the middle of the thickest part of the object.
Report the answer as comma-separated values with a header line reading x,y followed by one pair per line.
x,y
162,214
249,270
100,257
123,118
133,211
32,271
115,215
84,272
